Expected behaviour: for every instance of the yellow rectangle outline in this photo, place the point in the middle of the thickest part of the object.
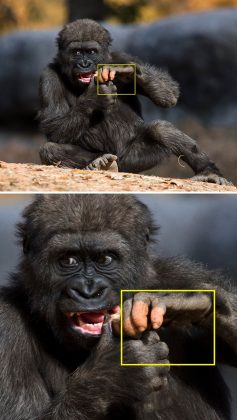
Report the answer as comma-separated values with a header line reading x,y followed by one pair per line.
x,y
117,94
171,291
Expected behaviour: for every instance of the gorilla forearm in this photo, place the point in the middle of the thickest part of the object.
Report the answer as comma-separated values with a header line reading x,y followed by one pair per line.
x,y
60,120
157,85
189,275
64,128
152,82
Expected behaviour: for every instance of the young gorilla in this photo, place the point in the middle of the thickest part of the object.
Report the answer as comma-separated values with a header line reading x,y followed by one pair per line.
x,y
59,359
85,130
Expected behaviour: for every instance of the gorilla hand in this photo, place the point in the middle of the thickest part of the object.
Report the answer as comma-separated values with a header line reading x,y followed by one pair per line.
x,y
107,73
109,92
106,162
117,384
150,310
211,177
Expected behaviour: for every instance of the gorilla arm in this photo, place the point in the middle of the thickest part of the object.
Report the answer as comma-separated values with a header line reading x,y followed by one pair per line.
x,y
22,388
36,386
101,382
157,85
65,124
61,121
152,82
186,308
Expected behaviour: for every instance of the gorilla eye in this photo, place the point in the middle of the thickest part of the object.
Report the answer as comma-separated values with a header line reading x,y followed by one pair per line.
x,y
104,259
91,51
77,52
68,262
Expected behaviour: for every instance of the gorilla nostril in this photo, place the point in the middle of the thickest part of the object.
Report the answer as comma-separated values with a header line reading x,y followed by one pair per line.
x,y
85,293
100,292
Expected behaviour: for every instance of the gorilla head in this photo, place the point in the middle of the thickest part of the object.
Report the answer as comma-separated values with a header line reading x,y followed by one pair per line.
x,y
79,251
82,45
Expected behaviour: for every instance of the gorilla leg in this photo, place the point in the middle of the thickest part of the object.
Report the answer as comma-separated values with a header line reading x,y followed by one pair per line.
x,y
159,139
73,156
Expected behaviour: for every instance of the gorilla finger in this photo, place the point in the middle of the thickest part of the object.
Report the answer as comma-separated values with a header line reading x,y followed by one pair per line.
x,y
161,351
115,323
105,74
128,326
124,69
111,158
100,75
157,314
156,353
113,89
92,167
102,80
139,315
143,296
112,74
104,161
150,337
103,89
107,334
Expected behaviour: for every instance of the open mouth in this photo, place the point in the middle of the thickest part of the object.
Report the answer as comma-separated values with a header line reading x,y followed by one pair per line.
x,y
85,77
91,322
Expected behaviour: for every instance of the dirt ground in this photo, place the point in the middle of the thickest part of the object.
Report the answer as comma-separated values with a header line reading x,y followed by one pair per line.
x,y
39,178
20,143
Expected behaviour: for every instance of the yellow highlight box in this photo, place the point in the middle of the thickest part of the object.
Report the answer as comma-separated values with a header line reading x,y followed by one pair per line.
x,y
117,94
213,291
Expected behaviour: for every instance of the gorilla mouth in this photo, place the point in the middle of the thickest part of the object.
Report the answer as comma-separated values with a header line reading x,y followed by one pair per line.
x,y
85,77
91,322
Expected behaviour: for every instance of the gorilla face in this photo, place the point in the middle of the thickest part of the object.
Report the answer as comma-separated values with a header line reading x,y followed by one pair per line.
x,y
81,59
78,262
87,271
82,45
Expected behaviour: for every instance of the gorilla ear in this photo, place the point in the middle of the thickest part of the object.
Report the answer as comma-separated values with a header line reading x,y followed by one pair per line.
x,y
147,235
26,246
59,41
150,233
23,236
109,38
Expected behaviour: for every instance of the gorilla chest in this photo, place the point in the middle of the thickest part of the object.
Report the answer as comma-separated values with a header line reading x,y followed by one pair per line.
x,y
111,130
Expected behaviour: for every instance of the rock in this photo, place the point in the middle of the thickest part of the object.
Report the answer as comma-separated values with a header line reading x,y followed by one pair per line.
x,y
199,50
38,178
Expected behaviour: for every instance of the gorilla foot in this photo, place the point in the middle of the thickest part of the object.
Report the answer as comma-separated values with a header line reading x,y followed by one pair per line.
x,y
213,178
105,162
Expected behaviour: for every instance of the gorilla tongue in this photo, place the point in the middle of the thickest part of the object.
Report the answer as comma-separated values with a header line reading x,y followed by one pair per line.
x,y
91,322
85,77
93,317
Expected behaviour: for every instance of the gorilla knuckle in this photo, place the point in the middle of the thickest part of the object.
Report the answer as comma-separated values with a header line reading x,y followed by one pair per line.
x,y
162,350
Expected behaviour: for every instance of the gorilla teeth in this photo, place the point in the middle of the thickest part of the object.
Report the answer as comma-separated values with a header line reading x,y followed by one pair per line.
x,y
95,318
72,314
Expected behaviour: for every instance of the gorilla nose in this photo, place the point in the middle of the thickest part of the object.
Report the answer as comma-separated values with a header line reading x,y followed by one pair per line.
x,y
84,64
87,290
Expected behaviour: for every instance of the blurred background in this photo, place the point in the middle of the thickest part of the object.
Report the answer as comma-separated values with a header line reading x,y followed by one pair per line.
x,y
195,40
201,227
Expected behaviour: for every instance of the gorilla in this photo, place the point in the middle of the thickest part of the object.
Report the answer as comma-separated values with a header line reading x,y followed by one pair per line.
x,y
59,350
87,130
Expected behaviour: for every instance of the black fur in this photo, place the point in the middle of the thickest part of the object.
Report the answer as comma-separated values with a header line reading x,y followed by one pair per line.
x,y
49,371
81,126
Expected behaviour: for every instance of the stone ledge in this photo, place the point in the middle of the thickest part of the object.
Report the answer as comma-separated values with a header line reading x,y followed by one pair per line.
x,y
38,178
